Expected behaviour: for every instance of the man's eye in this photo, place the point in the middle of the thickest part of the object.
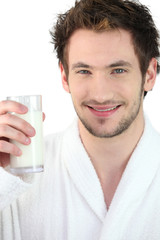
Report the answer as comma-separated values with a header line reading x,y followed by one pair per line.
x,y
83,72
118,71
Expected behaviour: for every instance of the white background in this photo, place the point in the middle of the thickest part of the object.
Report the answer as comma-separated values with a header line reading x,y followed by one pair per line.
x,y
29,66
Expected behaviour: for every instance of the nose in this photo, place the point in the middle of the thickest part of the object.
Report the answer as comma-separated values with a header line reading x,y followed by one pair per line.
x,y
101,89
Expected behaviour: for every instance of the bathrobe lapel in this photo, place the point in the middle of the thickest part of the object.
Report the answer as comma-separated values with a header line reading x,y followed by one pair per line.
x,y
137,178
82,172
135,182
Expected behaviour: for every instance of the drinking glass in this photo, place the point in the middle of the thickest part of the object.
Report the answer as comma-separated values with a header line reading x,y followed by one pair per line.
x,y
31,159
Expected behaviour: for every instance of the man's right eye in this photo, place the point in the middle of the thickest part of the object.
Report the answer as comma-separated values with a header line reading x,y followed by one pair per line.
x,y
83,72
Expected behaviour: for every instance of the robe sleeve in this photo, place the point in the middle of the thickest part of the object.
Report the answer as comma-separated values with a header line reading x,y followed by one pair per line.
x,y
11,187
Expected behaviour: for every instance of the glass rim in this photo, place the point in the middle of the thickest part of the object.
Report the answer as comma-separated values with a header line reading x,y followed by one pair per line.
x,y
27,96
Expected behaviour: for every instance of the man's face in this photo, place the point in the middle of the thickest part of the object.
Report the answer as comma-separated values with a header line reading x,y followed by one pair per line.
x,y
104,80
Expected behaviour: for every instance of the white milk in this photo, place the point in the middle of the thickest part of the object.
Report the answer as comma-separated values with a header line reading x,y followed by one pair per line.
x,y
31,159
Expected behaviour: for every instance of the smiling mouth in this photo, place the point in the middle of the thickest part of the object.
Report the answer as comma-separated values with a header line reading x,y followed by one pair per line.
x,y
102,109
105,110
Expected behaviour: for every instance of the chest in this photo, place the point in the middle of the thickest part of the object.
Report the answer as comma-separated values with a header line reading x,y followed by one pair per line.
x,y
109,186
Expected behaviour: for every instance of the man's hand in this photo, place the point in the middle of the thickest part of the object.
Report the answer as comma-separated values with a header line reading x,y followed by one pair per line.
x,y
13,127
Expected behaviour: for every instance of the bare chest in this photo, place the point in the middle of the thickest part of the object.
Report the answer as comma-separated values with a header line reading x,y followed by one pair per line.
x,y
109,187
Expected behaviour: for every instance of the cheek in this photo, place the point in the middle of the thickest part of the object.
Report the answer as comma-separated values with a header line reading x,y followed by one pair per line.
x,y
78,89
132,88
78,94
122,90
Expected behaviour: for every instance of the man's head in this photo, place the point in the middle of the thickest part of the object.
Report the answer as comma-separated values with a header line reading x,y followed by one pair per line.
x,y
107,15
107,50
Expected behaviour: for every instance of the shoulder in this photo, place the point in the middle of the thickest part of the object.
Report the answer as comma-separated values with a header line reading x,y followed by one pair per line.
x,y
55,139
151,133
54,143
151,141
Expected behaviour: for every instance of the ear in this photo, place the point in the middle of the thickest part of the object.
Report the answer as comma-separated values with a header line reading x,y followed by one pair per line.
x,y
150,75
64,78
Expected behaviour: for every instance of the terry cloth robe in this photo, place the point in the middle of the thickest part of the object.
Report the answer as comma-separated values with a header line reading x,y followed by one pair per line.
x,y
66,201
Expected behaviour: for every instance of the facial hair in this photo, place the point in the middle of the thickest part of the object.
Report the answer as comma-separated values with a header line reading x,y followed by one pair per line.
x,y
123,124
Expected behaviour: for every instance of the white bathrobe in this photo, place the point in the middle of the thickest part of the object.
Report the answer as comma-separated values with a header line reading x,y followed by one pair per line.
x,y
66,202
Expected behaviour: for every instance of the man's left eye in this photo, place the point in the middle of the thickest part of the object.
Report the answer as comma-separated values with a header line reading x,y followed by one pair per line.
x,y
118,71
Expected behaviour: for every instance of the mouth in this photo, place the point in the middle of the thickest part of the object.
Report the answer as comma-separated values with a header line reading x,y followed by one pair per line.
x,y
103,111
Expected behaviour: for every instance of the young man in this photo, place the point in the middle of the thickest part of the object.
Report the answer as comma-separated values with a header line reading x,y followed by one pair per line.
x,y
102,177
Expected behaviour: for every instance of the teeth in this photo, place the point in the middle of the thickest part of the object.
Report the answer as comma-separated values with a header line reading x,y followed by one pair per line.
x,y
105,110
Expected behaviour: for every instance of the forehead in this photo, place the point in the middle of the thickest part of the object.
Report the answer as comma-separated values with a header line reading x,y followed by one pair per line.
x,y
102,47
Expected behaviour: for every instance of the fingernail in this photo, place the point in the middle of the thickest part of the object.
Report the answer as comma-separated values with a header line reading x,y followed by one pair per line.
x,y
32,132
27,140
19,152
24,108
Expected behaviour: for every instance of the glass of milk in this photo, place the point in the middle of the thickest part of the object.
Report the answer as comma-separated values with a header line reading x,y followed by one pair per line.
x,y
31,159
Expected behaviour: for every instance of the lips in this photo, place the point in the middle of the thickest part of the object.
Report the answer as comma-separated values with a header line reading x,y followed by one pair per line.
x,y
103,111
106,109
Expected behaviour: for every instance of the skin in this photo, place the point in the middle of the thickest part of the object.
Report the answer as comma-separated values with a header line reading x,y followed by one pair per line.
x,y
106,83
15,128
103,75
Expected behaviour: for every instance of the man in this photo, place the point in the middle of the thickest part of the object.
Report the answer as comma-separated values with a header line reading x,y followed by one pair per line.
x,y
102,177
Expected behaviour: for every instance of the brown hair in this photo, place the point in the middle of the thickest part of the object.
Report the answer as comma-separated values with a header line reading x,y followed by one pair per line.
x,y
104,15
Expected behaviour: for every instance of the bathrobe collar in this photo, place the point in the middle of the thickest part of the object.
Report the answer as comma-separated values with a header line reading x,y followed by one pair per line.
x,y
136,180
134,183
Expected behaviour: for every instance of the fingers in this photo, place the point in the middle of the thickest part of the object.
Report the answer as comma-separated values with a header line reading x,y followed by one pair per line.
x,y
7,147
16,123
12,106
6,133
11,133
13,127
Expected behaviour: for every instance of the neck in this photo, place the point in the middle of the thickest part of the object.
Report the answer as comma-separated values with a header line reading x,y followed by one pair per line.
x,y
112,154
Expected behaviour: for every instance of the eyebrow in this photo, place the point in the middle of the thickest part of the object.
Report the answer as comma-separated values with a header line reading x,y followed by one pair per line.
x,y
120,63
80,65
